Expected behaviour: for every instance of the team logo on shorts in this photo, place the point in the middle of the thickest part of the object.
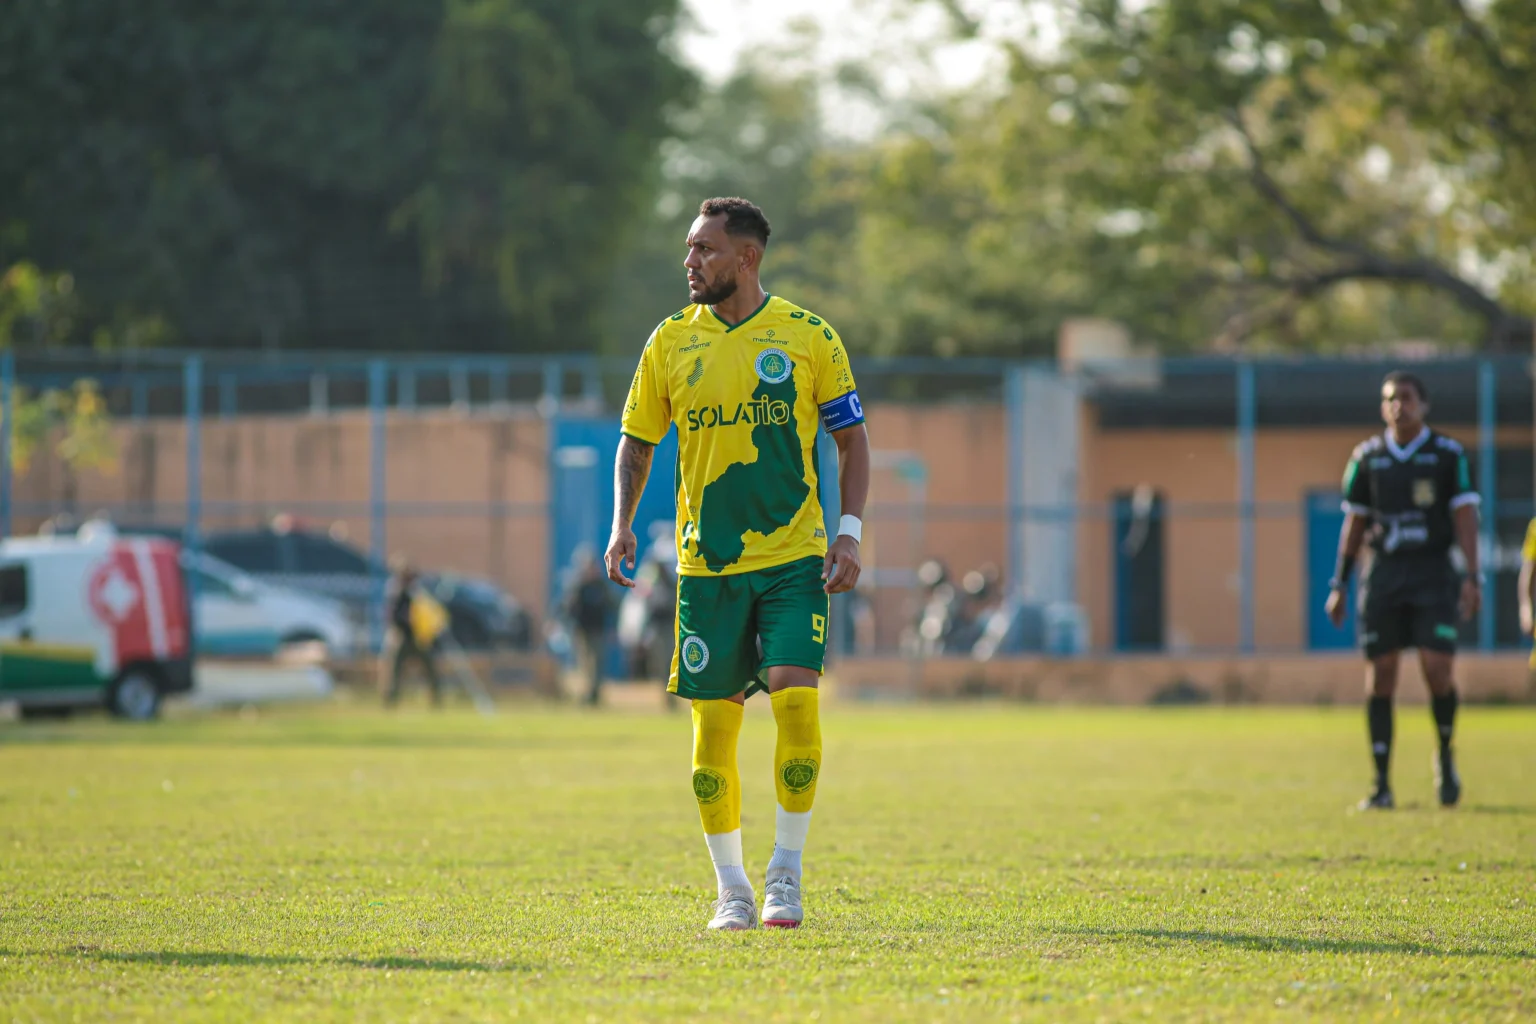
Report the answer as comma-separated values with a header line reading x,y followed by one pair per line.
x,y
708,785
797,775
773,366
695,654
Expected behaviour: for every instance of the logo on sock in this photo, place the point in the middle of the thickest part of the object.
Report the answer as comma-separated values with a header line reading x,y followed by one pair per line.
x,y
798,775
695,654
708,785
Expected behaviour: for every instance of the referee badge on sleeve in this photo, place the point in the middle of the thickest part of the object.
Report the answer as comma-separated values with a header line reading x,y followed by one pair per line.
x,y
1424,493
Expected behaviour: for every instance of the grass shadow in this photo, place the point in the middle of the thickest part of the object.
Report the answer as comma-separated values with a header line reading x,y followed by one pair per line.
x,y
222,958
1293,944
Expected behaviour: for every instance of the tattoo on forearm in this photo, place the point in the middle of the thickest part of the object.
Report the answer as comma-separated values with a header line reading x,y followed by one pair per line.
x,y
630,470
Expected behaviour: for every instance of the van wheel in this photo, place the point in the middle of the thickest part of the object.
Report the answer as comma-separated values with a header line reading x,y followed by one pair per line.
x,y
135,696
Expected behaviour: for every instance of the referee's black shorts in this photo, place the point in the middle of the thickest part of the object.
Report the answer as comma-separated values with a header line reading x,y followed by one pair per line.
x,y
1409,601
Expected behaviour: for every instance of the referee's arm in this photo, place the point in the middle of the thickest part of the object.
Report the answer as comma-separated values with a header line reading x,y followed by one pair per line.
x,y
1351,536
1464,522
1357,519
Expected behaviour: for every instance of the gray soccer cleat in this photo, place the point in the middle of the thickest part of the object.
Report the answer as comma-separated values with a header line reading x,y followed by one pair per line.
x,y
734,912
781,900
1379,800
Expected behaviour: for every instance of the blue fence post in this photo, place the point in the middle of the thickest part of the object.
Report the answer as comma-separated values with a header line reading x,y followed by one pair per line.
x,y
499,372
458,384
378,410
592,382
1246,416
1487,423
7,401
406,380
192,402
554,385
1013,396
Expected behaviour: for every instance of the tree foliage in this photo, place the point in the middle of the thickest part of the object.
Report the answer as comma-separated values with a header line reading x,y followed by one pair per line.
x,y
1213,172
371,173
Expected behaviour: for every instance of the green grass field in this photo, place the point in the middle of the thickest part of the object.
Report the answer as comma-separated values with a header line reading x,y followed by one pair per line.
x,y
973,862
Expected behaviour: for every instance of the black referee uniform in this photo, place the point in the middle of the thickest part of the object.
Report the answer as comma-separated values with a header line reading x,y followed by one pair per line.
x,y
1410,593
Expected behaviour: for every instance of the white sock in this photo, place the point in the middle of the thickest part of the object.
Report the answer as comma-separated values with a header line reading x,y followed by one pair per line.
x,y
790,830
725,851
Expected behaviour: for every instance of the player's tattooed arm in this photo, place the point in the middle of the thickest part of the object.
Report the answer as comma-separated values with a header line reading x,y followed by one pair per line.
x,y
631,468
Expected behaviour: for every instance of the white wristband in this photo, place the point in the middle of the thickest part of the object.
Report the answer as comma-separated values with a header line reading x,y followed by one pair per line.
x,y
851,526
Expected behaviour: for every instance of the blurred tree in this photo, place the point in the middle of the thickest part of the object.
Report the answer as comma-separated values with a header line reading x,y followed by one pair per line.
x,y
757,135
378,173
77,423
1305,174
1213,172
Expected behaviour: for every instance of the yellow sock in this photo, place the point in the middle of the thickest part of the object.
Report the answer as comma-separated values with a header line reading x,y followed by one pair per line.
x,y
797,755
716,779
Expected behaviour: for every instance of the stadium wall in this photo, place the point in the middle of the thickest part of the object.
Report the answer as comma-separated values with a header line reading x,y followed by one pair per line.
x,y
465,492
469,491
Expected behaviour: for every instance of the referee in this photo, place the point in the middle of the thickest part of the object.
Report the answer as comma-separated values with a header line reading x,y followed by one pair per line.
x,y
1408,492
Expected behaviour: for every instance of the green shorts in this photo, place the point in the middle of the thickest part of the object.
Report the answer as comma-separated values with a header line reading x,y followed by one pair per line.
x,y
721,619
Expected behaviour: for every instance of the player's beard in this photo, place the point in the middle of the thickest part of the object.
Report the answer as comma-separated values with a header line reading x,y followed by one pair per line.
x,y
710,295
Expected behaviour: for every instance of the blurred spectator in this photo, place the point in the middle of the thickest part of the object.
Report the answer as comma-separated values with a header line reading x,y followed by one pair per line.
x,y
416,625
585,606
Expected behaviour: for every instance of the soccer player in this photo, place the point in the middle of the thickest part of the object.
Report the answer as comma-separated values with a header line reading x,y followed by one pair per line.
x,y
746,376
1409,490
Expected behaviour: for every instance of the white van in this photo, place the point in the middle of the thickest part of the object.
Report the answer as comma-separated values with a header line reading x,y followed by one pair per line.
x,y
93,620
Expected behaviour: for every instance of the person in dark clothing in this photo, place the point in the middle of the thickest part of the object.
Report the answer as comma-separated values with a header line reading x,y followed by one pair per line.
x,y
403,644
1408,493
586,606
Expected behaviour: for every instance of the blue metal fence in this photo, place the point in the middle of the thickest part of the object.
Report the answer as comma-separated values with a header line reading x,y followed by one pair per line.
x,y
1247,399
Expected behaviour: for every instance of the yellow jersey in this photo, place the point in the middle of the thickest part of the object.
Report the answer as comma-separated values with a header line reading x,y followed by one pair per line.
x,y
746,400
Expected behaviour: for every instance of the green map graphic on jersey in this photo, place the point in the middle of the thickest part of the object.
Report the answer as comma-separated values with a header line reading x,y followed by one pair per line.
x,y
757,497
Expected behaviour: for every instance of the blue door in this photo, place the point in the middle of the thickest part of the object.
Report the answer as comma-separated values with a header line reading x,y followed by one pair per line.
x,y
581,490
581,458
1324,520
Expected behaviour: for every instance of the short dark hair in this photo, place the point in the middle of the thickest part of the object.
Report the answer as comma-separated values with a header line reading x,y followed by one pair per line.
x,y
742,217
1400,377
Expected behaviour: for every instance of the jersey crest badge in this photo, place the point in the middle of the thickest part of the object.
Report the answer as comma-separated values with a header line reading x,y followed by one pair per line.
x,y
1424,493
773,366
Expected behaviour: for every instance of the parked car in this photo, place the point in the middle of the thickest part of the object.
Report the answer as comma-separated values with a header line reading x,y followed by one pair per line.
x,y
93,619
236,614
480,613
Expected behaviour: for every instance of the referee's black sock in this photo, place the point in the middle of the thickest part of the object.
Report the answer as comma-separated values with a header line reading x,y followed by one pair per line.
x,y
1378,713
1444,707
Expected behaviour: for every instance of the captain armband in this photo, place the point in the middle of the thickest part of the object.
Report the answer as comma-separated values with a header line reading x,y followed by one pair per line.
x,y
842,412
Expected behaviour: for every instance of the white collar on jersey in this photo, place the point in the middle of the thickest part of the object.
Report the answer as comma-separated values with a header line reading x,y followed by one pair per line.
x,y
1404,454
